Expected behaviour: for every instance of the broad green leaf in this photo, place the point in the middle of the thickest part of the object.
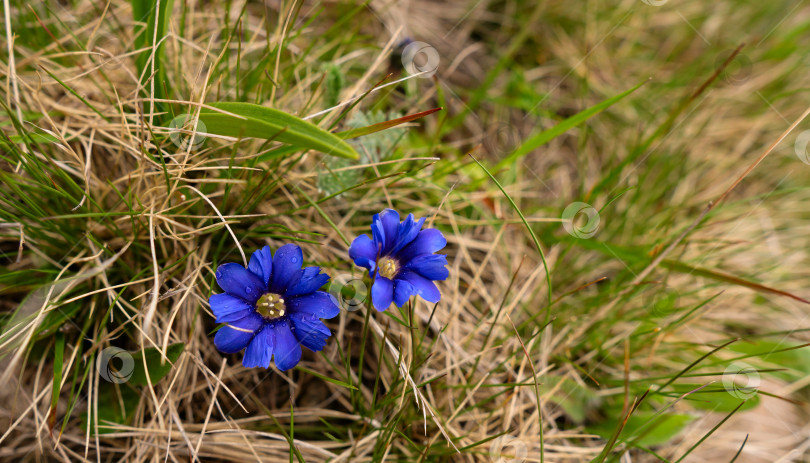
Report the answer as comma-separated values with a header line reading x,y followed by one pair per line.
x,y
571,396
117,402
718,398
646,429
157,366
36,137
796,362
115,406
251,120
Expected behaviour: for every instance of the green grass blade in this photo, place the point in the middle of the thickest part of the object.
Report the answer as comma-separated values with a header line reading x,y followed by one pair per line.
x,y
155,13
58,359
715,428
545,136
336,382
531,232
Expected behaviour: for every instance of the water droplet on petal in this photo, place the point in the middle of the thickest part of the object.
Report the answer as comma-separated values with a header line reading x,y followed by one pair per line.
x,y
248,289
294,260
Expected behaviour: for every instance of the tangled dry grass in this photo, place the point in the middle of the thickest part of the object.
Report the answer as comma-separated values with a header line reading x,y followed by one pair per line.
x,y
121,248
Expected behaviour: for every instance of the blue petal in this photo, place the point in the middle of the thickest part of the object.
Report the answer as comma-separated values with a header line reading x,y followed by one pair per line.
x,y
430,266
382,293
424,287
427,241
363,252
320,304
402,292
389,219
310,331
260,350
286,264
287,351
377,233
228,308
311,280
239,281
408,231
261,264
234,336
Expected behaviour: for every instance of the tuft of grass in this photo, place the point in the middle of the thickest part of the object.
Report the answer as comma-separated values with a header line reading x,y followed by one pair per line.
x,y
677,327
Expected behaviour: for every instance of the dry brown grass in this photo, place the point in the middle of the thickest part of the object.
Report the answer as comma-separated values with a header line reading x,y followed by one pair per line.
x,y
210,408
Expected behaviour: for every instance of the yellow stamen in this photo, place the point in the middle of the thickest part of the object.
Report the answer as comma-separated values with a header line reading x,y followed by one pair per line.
x,y
388,267
271,306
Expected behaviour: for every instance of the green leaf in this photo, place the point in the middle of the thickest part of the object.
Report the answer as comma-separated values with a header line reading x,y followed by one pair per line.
x,y
782,354
36,137
157,366
118,402
115,406
717,398
574,398
251,120
646,429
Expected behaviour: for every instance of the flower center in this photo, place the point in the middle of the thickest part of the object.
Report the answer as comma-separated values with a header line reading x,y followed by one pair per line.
x,y
271,306
388,267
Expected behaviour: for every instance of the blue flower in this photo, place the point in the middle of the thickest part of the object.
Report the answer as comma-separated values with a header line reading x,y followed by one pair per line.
x,y
272,308
400,258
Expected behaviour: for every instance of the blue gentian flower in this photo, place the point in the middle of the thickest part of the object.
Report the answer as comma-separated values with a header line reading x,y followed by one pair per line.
x,y
400,259
272,307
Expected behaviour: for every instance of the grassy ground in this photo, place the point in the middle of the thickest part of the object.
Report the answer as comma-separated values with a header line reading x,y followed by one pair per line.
x,y
622,186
